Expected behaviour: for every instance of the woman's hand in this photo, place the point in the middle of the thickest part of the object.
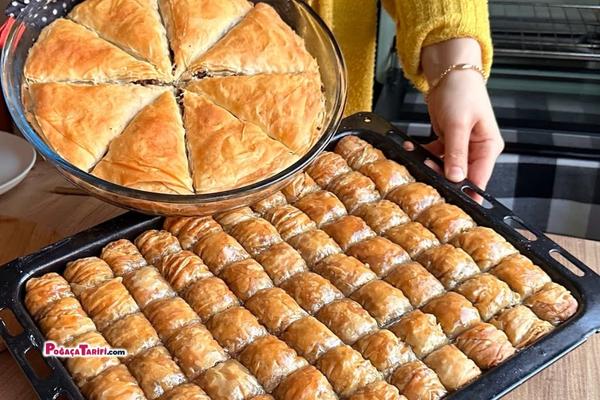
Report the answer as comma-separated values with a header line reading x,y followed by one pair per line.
x,y
461,113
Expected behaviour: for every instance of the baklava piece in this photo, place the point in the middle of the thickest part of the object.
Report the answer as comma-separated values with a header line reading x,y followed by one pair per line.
x,y
311,291
379,254
322,207
193,230
195,349
347,319
326,167
414,198
64,320
552,303
454,312
133,333
219,250
246,278
281,262
346,273
445,221
210,296
488,294
379,390
485,246
387,175
87,273
169,315
229,381
147,285
448,264
83,369
43,291
385,351
235,328
521,326
272,202
452,367
275,309
347,371
382,301
156,372
315,246
417,284
187,391
307,383
108,302
310,338
412,237
417,381
113,383
123,257
231,218
521,274
299,187
255,235
485,345
382,215
420,331
270,360
348,231
182,269
155,245
354,189
290,221
357,152
176,224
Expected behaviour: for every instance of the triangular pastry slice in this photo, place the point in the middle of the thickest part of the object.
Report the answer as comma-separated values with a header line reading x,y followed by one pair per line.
x,y
225,152
67,51
196,25
289,107
133,25
260,43
79,121
150,154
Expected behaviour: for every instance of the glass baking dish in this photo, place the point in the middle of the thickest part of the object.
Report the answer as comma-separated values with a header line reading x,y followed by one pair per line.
x,y
319,42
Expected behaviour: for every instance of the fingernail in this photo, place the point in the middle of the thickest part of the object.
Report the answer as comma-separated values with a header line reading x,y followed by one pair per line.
x,y
455,174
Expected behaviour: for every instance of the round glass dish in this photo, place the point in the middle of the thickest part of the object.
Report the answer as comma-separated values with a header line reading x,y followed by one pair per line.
x,y
319,42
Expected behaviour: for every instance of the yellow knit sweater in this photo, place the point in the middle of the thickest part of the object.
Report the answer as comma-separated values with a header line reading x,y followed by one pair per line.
x,y
420,23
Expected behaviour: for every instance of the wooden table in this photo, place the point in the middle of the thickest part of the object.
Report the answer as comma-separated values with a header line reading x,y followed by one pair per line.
x,y
33,215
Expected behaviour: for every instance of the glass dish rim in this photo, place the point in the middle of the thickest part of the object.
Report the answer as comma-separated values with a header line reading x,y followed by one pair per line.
x,y
17,112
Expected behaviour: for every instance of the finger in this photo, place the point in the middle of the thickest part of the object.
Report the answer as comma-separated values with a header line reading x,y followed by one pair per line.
x,y
434,166
456,151
473,194
408,145
483,158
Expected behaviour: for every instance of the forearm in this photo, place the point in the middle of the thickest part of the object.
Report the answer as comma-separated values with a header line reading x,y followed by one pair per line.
x,y
437,57
424,24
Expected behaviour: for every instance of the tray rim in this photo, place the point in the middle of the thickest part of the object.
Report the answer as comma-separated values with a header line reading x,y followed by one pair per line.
x,y
492,384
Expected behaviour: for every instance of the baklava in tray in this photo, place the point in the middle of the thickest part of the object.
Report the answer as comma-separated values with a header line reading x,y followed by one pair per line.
x,y
354,282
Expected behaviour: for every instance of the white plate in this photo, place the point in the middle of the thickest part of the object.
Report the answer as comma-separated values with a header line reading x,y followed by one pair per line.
x,y
17,157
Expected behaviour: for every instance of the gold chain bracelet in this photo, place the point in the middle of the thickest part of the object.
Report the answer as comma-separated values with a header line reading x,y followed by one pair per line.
x,y
454,67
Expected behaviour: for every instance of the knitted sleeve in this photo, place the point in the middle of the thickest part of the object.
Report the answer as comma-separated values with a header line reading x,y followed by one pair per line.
x,y
425,22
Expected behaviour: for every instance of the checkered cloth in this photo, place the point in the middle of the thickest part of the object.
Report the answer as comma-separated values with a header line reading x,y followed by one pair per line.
x,y
38,13
557,195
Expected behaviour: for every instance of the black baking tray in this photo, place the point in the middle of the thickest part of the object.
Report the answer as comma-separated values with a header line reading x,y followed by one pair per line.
x,y
585,285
